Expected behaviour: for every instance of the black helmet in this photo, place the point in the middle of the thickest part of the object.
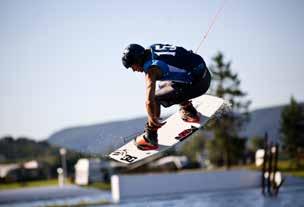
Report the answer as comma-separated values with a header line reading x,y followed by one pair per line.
x,y
132,54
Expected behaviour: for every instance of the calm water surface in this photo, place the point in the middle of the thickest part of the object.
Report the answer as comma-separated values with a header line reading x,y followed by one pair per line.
x,y
288,197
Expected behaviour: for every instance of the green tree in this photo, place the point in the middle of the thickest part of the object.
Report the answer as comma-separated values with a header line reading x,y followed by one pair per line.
x,y
226,84
256,143
292,130
24,149
194,146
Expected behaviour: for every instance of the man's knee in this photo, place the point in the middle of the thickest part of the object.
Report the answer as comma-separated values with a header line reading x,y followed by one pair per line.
x,y
166,103
171,99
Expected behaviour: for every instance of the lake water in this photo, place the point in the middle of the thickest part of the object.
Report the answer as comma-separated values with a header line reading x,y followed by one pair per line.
x,y
288,197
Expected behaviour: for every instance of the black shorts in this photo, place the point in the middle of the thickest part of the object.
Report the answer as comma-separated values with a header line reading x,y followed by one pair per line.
x,y
175,93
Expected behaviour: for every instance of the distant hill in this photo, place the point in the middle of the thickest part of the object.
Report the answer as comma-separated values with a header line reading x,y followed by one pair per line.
x,y
264,120
98,138
101,138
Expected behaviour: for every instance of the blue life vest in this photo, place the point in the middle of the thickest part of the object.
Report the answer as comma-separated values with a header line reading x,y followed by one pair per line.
x,y
176,63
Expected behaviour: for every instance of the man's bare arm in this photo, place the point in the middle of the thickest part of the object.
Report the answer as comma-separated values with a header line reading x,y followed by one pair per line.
x,y
153,108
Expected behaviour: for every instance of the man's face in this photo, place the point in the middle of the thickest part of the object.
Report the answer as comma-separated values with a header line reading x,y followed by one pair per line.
x,y
137,68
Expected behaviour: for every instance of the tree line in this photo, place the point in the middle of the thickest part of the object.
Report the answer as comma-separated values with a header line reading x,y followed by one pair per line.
x,y
21,150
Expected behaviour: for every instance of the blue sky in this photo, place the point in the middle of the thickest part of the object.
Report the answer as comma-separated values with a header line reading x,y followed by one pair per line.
x,y
60,61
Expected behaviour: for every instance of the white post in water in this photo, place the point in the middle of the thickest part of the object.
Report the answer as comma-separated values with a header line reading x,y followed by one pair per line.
x,y
63,163
115,188
60,177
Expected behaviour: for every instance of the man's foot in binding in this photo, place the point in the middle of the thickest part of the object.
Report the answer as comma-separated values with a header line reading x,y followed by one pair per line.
x,y
149,140
188,113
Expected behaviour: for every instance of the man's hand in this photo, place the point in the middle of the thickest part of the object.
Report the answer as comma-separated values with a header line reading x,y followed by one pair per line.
x,y
154,122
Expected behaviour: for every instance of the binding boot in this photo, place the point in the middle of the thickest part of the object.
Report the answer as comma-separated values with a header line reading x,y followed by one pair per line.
x,y
188,113
149,140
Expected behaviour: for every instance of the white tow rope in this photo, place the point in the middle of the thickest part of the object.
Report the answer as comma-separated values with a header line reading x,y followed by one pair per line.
x,y
211,24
